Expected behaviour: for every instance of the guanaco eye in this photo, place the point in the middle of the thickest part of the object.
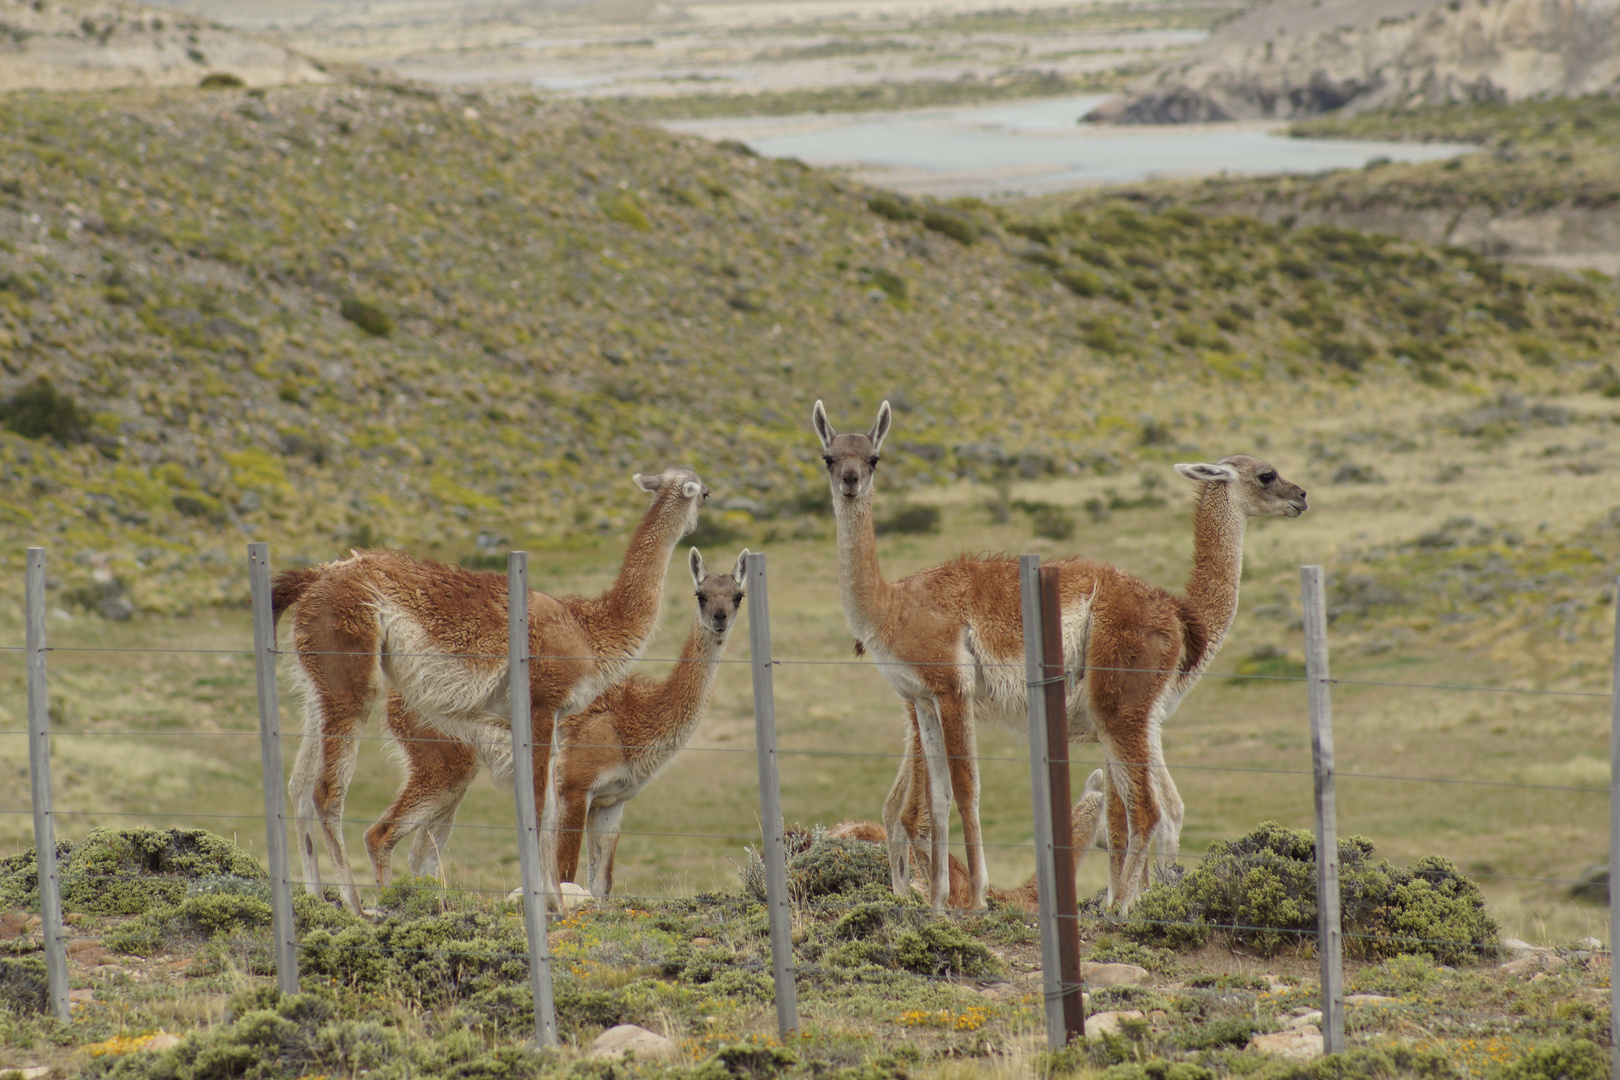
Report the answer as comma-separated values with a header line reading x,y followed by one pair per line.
x,y
872,461
1267,477
828,459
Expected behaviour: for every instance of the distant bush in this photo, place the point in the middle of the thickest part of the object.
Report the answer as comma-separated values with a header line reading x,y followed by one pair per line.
x,y
221,80
367,316
895,209
1053,523
128,871
1565,1059
24,987
623,208
954,226
40,411
1082,282
1266,663
910,520
1260,890
819,867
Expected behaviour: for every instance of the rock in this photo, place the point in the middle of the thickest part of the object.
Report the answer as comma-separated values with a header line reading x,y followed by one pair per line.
x,y
1301,1044
116,608
163,1040
1313,1018
702,942
573,897
1113,974
1591,944
1107,1023
616,1042
81,997
13,924
1539,961
34,1072
1514,947
1368,999
1292,58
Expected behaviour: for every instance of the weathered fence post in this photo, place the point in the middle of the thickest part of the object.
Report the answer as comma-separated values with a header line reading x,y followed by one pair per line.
x,y
1049,787
534,901
275,796
1614,841
39,778
772,847
1329,929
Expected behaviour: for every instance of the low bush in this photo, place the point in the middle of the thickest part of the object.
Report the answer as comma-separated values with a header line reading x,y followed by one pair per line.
x,y
367,316
1260,890
129,871
910,520
41,411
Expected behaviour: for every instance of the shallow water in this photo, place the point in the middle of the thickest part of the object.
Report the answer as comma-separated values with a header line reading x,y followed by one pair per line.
x,y
1040,145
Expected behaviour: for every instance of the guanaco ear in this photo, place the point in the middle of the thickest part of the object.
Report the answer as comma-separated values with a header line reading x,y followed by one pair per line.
x,y
691,489
1094,783
1223,473
737,571
823,426
880,427
648,482
695,561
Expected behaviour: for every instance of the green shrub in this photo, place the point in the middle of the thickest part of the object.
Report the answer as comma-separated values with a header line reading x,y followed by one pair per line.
x,y
818,867
24,987
1082,282
943,948
1053,523
367,316
221,80
956,227
1565,1059
1158,1069
911,520
129,871
623,208
1260,890
40,411
895,209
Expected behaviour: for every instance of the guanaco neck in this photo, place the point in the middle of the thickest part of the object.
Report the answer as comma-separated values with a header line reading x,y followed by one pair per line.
x,y
677,704
1212,586
621,620
859,579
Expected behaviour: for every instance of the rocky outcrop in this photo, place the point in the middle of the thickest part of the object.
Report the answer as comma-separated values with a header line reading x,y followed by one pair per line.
x,y
110,43
1293,58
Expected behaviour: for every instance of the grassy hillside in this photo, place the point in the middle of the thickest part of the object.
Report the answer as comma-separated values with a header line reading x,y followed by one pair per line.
x,y
361,314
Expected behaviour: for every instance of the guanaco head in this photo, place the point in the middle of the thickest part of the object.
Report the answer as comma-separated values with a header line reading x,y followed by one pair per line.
x,y
719,596
677,491
1257,488
851,459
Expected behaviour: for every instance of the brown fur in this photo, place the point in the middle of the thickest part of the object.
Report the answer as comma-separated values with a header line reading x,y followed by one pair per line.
x,y
437,634
950,640
635,728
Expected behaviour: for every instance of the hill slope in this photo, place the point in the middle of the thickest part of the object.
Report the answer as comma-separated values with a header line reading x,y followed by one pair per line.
x,y
556,299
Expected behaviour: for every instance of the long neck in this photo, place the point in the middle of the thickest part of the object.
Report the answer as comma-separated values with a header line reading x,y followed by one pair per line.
x,y
620,621
1212,586
859,579
679,702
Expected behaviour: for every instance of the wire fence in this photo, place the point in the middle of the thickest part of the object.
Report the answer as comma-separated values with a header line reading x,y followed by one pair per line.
x,y
505,726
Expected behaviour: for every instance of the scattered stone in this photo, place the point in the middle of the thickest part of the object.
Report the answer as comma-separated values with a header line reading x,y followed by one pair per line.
x,y
1302,1010
1538,961
1276,985
1301,1044
573,897
616,1042
1113,974
1107,1023
1514,947
702,942
163,1040
81,997
13,924
1368,999
1313,1018
1591,944
34,1072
